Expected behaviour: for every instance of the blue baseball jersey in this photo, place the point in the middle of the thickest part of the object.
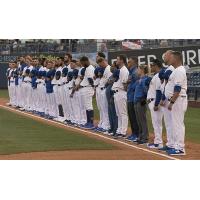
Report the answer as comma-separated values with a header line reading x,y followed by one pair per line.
x,y
141,89
131,87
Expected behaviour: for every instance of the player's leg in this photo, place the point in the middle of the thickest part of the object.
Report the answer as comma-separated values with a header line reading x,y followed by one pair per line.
x,y
98,100
168,125
178,126
156,118
106,123
89,92
82,107
119,117
122,108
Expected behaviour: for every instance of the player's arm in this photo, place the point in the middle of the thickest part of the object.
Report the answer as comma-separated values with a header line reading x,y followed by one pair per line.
x,y
177,90
124,78
158,94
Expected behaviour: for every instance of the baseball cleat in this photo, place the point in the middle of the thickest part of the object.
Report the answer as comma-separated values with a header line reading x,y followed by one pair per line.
x,y
132,138
119,135
165,148
88,126
176,152
139,142
155,146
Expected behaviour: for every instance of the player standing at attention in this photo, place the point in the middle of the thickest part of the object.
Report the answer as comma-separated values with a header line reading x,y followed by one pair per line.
x,y
113,120
120,96
175,92
87,90
102,85
140,96
8,75
133,77
153,99
164,102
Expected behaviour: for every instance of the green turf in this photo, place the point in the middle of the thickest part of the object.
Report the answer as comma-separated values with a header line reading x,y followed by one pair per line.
x,y
22,134
192,123
192,120
3,93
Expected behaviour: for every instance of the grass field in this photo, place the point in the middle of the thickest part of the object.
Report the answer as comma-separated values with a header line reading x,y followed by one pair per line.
x,y
21,134
3,93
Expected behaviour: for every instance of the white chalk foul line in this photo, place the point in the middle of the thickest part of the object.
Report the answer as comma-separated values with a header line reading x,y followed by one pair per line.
x,y
102,136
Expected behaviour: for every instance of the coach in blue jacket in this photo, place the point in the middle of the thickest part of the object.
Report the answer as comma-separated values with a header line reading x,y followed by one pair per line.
x,y
133,77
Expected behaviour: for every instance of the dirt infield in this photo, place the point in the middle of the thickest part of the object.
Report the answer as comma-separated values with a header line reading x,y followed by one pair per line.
x,y
125,151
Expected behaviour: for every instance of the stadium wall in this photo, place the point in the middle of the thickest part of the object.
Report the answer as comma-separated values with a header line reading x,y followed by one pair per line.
x,y
191,56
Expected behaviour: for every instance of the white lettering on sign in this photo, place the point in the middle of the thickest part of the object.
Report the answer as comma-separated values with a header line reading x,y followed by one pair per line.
x,y
139,60
149,59
191,55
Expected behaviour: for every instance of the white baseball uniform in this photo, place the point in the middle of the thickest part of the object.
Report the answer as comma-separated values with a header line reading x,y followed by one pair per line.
x,y
167,113
87,90
103,99
156,116
83,118
178,78
120,100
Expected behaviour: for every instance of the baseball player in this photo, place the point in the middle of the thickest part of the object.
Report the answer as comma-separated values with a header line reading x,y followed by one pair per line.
x,y
58,88
133,77
98,97
120,96
68,90
113,120
175,92
153,99
17,88
87,90
14,83
27,89
40,93
76,112
80,94
164,102
21,66
8,75
34,97
105,74
28,66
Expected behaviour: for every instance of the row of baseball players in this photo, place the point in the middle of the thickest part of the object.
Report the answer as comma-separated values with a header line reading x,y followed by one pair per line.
x,y
63,90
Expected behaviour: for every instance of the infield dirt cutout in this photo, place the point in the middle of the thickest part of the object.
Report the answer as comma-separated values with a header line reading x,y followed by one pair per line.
x,y
125,150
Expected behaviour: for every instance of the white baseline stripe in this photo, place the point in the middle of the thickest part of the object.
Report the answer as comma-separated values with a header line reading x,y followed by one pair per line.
x,y
102,136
